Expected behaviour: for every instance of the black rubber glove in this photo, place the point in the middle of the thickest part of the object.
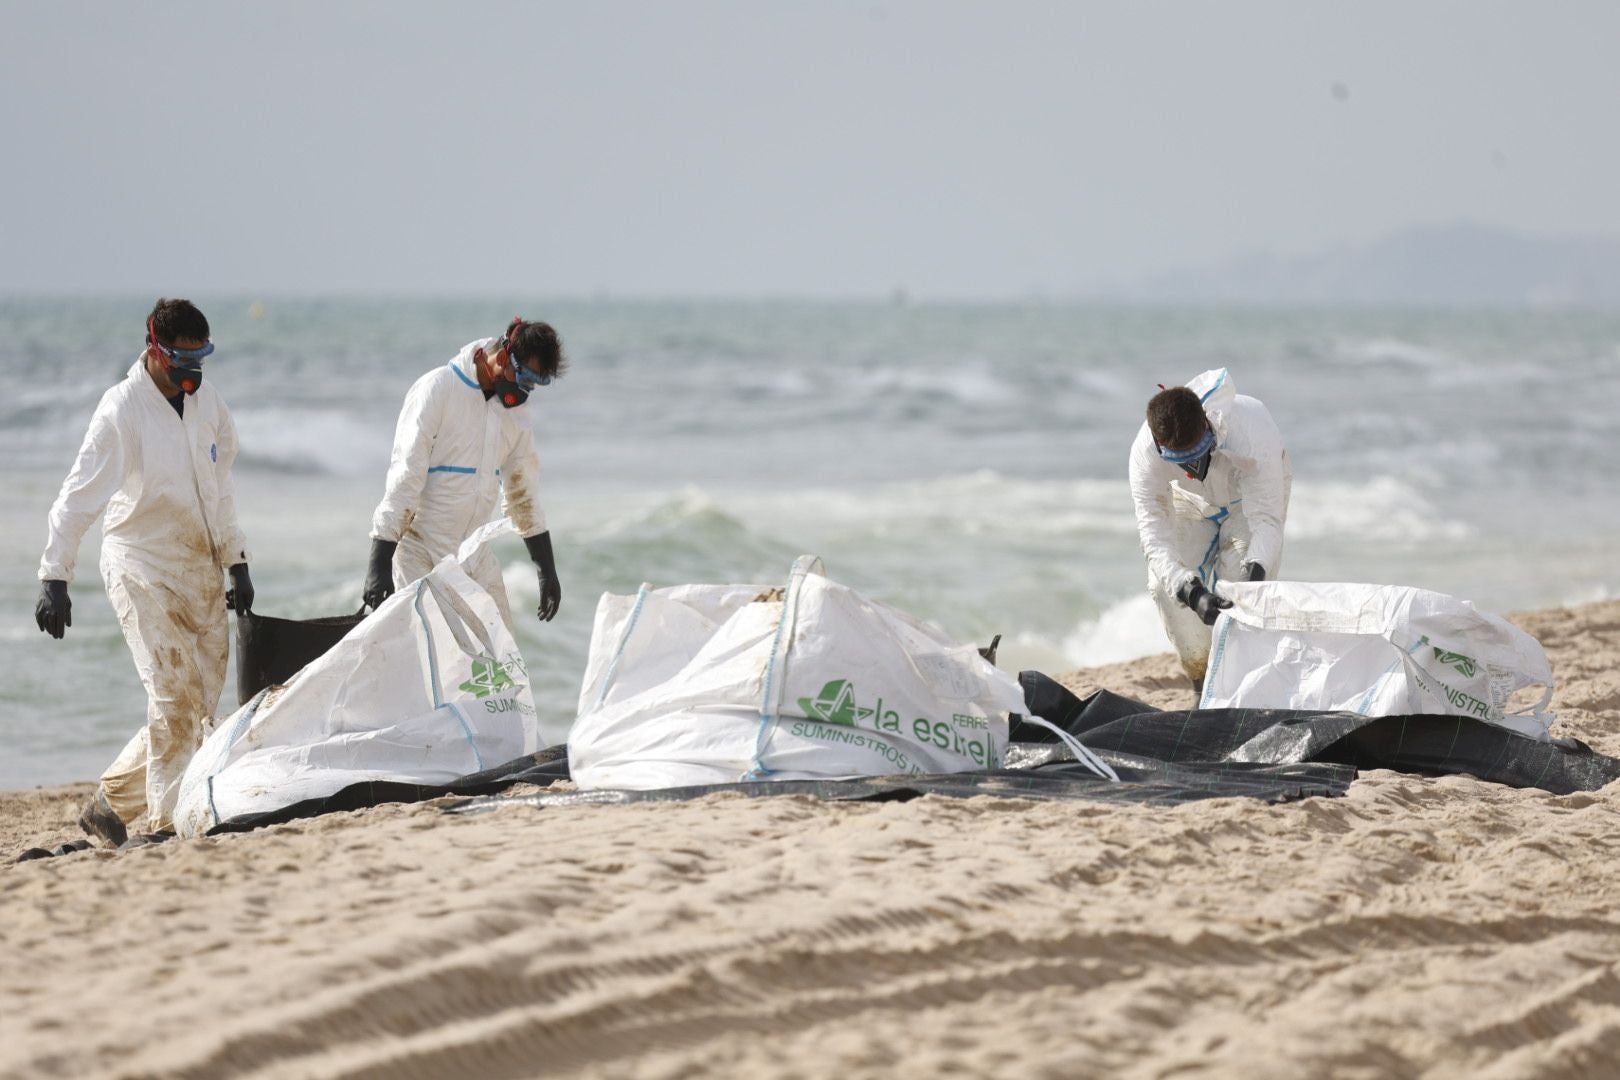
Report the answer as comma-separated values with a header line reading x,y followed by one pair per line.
x,y
550,591
1253,571
239,597
380,573
1204,603
54,612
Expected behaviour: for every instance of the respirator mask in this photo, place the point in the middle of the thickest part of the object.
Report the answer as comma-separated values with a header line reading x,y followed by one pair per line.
x,y
184,365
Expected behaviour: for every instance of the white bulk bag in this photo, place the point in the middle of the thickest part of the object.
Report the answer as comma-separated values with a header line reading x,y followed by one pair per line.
x,y
428,688
1377,650
707,684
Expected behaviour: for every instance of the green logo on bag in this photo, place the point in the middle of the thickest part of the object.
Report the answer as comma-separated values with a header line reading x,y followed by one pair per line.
x,y
488,676
835,705
964,734
1466,665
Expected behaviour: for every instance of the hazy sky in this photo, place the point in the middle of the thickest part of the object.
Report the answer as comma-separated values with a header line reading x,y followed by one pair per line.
x,y
699,148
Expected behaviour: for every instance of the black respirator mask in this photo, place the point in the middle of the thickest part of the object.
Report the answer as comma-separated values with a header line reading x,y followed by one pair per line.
x,y
184,365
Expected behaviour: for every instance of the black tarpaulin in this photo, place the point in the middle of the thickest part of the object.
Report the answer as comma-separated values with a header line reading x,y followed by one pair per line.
x,y
270,651
1051,781
1420,743
538,768
1161,757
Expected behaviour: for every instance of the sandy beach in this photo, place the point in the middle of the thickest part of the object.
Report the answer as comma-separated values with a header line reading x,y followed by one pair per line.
x,y
1417,927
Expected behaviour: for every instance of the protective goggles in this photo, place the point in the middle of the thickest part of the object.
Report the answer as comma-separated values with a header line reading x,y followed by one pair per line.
x,y
528,378
1193,453
185,357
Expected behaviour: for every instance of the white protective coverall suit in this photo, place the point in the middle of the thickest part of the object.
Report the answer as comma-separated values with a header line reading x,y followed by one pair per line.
x,y
454,452
169,536
1208,529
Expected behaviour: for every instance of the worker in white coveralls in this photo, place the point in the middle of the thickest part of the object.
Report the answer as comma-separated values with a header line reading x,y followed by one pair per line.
x,y
462,444
1210,479
157,459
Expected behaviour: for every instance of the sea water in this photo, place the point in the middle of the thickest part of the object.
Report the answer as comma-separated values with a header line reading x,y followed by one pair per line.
x,y
966,463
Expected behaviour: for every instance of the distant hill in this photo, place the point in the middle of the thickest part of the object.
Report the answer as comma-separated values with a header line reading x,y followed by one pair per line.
x,y
1461,265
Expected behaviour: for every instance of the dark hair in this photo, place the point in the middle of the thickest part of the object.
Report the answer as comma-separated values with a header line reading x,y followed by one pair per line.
x,y
535,345
176,319
1176,418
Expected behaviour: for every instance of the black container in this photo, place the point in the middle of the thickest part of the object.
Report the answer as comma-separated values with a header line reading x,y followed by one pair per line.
x,y
271,651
